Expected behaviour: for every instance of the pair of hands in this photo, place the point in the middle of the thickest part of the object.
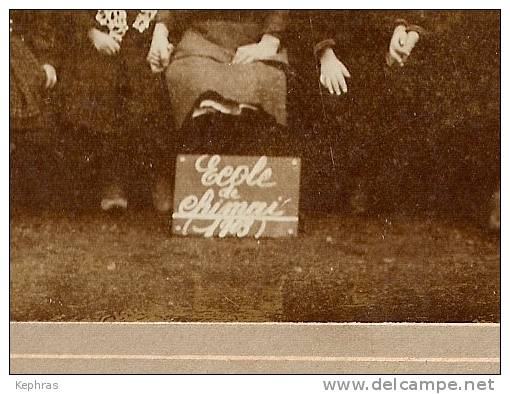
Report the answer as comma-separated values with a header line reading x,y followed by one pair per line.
x,y
334,73
159,53
161,50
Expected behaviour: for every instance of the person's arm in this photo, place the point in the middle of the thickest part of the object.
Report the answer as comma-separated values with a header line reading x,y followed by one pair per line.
x,y
161,47
50,48
275,25
333,72
321,26
404,37
104,43
39,28
41,36
413,21
83,30
80,23
171,24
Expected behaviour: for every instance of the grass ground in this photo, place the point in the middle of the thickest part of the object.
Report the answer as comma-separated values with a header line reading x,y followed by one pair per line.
x,y
90,267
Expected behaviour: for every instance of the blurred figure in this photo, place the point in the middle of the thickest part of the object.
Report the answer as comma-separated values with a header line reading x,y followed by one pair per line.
x,y
32,77
113,98
31,68
354,53
402,119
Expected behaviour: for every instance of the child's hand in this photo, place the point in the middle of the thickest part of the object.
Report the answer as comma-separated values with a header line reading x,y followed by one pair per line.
x,y
333,73
103,42
159,54
265,49
401,45
51,75
412,39
160,51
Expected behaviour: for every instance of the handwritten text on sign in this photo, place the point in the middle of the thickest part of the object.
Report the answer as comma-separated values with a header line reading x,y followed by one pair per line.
x,y
236,196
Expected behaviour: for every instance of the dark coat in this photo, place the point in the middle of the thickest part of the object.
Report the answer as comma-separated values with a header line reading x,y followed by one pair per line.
x,y
110,94
353,29
31,44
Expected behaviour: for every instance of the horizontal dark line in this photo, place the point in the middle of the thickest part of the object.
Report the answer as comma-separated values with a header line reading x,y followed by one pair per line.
x,y
280,324
221,357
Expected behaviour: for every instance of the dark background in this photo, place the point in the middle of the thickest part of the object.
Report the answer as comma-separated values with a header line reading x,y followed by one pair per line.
x,y
420,138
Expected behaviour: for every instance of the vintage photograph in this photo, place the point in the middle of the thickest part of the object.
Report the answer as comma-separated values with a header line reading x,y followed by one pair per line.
x,y
317,166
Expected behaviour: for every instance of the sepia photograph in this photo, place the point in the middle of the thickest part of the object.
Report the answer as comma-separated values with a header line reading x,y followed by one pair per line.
x,y
262,191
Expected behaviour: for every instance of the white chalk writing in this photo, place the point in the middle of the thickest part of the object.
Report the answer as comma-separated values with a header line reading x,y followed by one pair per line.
x,y
224,212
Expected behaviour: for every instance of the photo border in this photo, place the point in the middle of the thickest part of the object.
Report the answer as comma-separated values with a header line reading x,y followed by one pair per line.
x,y
133,348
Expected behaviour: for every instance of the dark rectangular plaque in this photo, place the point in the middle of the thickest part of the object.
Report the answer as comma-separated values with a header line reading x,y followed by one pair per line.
x,y
236,196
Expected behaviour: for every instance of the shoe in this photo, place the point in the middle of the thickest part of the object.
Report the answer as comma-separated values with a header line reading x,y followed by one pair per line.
x,y
113,198
162,195
202,111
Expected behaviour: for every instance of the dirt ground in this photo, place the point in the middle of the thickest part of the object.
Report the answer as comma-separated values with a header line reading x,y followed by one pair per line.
x,y
92,267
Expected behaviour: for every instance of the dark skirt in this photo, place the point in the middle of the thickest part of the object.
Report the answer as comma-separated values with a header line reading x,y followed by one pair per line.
x,y
26,83
253,133
113,94
201,64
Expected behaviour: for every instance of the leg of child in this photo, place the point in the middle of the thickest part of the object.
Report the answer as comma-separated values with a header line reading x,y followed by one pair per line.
x,y
162,159
161,150
146,117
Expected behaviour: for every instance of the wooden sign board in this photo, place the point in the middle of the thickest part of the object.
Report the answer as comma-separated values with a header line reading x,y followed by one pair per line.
x,y
236,196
